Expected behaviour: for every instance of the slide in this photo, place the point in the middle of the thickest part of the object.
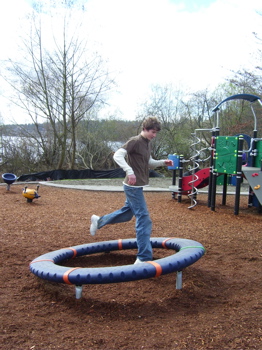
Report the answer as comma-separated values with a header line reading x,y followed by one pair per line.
x,y
201,179
254,178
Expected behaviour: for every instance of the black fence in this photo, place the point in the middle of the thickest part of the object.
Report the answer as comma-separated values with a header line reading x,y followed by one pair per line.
x,y
78,174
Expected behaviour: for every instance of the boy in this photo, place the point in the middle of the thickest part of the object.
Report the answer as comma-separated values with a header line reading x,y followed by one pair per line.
x,y
134,157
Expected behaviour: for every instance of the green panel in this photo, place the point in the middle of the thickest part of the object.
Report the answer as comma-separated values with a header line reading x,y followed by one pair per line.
x,y
225,160
259,155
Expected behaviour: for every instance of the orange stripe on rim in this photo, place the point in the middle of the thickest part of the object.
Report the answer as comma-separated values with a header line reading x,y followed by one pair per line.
x,y
74,251
164,242
35,261
66,275
120,244
157,266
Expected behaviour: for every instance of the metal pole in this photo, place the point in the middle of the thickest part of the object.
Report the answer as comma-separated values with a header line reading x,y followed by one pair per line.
x,y
211,169
239,173
255,118
78,290
253,155
179,280
224,197
214,175
174,183
180,177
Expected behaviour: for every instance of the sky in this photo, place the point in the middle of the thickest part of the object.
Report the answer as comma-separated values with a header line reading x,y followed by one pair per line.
x,y
190,43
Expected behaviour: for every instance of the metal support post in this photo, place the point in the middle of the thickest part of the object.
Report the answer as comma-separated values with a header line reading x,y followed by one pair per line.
x,y
79,290
179,280
239,173
180,177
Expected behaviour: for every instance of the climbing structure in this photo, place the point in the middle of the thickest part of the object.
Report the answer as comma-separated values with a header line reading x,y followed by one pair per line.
x,y
227,158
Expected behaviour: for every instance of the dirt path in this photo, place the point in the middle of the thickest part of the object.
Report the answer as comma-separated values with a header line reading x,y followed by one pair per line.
x,y
219,306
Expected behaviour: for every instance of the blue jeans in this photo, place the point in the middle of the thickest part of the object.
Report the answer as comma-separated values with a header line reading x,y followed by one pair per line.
x,y
135,205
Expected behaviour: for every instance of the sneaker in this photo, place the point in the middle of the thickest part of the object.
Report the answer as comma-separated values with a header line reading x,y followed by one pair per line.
x,y
94,223
138,261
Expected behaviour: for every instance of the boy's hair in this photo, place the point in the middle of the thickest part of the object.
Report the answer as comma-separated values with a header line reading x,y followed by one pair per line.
x,y
151,123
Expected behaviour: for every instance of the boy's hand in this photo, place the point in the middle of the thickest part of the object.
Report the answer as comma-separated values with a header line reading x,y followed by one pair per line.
x,y
169,162
131,179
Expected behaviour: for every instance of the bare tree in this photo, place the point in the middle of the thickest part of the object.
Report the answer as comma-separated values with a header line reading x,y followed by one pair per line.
x,y
59,85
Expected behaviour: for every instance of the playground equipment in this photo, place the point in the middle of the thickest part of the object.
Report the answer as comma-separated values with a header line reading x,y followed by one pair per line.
x,y
226,158
9,179
187,253
187,184
30,194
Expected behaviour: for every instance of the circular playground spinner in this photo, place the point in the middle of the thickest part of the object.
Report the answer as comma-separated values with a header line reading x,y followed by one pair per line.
x,y
47,266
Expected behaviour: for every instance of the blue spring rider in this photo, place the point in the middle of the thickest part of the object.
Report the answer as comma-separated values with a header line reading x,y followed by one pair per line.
x,y
9,179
